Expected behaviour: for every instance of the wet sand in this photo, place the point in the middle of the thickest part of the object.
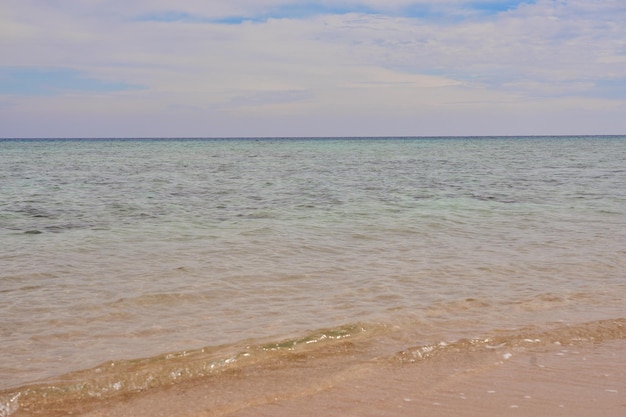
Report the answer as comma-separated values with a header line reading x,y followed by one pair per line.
x,y
574,380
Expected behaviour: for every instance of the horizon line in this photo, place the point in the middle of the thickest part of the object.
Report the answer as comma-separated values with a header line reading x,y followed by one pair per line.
x,y
305,137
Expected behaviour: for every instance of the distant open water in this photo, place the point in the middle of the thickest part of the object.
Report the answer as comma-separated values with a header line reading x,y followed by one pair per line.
x,y
121,249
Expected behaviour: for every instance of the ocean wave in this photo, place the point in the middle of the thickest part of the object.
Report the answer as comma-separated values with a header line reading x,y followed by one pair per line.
x,y
349,343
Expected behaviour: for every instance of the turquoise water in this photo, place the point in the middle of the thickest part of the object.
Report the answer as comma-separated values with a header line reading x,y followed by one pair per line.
x,y
122,249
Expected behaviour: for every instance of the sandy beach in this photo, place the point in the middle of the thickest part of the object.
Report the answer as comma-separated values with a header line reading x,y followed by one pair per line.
x,y
578,379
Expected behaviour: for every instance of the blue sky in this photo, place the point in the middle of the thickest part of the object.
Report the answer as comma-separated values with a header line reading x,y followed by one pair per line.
x,y
38,81
308,9
311,68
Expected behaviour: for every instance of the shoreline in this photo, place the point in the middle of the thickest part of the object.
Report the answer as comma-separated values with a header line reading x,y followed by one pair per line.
x,y
569,371
561,381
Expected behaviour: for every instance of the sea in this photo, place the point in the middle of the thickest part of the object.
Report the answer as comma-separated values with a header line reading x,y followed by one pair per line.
x,y
130,264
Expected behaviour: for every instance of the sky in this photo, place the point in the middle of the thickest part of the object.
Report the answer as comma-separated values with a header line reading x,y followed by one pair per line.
x,y
264,68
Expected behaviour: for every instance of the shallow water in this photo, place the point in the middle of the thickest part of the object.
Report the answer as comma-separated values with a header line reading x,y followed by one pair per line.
x,y
129,249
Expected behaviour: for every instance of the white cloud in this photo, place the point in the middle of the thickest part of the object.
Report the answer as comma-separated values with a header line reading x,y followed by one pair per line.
x,y
323,69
